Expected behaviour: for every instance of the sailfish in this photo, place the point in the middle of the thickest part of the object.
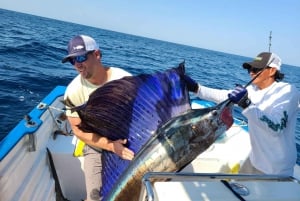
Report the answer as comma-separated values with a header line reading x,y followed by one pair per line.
x,y
153,112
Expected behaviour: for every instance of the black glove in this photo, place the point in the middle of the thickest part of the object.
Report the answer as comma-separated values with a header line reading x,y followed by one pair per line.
x,y
191,84
240,96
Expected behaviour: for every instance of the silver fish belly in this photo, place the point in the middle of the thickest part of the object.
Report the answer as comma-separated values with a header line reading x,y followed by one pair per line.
x,y
174,145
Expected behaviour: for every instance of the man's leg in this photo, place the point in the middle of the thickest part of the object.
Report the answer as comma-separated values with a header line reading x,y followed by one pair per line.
x,y
92,172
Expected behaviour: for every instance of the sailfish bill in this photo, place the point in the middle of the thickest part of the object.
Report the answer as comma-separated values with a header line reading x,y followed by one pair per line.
x,y
153,112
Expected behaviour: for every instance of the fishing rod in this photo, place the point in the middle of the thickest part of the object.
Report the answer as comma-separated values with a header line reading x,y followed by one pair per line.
x,y
270,39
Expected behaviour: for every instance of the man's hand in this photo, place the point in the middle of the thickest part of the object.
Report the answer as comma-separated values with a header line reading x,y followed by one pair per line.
x,y
191,84
121,150
240,96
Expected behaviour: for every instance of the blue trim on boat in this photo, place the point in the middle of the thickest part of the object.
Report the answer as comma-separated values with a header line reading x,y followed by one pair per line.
x,y
204,103
23,128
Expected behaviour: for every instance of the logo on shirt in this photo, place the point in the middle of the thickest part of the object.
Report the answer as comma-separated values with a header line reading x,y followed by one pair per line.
x,y
274,126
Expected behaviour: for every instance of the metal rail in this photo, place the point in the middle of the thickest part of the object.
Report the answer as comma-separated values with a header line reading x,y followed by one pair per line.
x,y
150,177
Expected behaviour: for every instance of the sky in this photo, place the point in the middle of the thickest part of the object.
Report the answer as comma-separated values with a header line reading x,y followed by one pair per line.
x,y
240,27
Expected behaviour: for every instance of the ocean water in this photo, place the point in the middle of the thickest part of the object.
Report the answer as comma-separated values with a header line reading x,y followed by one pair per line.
x,y
31,49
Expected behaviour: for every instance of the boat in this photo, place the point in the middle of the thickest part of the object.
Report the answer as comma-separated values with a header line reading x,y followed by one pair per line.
x,y
37,163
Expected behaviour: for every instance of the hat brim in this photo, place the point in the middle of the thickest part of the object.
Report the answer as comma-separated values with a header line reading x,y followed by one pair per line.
x,y
68,57
246,66
253,64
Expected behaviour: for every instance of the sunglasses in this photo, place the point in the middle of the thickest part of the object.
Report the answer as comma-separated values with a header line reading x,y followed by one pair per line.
x,y
80,59
254,70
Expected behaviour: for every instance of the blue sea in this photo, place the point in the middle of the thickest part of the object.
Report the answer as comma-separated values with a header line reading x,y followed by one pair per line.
x,y
31,49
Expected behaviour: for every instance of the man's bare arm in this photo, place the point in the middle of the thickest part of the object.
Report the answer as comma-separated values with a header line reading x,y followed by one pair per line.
x,y
98,141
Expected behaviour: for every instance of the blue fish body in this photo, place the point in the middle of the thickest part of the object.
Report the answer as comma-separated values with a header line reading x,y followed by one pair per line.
x,y
132,108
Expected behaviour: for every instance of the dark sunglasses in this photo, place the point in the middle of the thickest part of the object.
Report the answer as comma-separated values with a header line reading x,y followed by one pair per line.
x,y
80,59
256,70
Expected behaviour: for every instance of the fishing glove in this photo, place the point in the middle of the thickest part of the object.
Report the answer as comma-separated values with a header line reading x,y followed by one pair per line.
x,y
191,84
240,96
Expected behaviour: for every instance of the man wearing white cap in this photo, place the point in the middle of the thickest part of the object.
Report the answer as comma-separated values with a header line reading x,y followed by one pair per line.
x,y
271,108
85,56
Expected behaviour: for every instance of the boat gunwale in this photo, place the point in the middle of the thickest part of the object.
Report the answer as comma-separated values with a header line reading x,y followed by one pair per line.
x,y
23,128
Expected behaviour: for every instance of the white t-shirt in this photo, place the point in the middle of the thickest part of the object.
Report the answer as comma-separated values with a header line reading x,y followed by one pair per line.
x,y
272,118
79,89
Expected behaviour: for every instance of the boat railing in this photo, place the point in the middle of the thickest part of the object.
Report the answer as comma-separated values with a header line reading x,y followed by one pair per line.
x,y
148,180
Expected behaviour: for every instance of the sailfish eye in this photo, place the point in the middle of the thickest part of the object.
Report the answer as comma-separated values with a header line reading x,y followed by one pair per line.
x,y
214,112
